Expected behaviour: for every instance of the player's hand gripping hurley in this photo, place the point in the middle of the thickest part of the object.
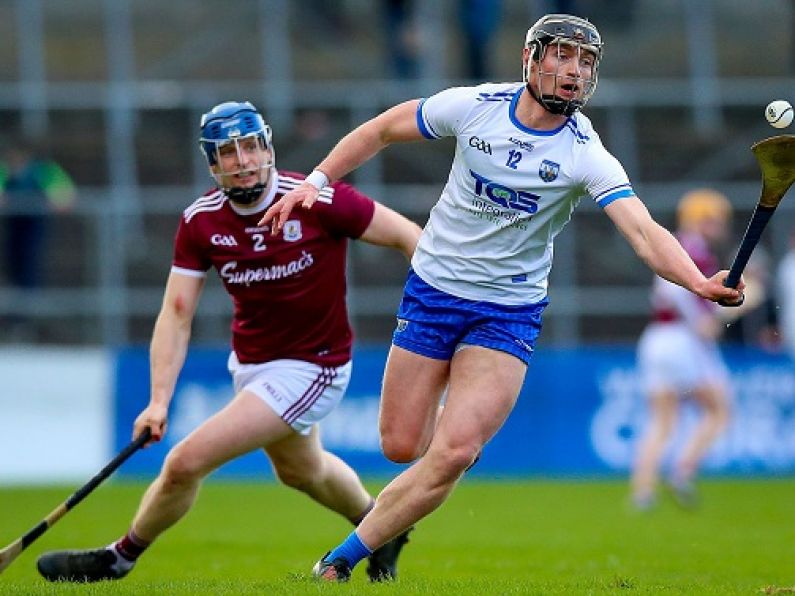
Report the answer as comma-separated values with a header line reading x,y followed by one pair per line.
x,y
13,550
776,158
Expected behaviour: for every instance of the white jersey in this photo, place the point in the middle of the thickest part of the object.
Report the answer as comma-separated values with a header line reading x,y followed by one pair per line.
x,y
510,191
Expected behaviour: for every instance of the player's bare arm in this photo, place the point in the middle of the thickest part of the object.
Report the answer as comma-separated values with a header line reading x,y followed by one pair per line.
x,y
396,125
168,348
660,250
389,228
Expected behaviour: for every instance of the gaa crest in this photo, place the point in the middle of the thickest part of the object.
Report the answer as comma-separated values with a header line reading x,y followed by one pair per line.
x,y
548,171
292,230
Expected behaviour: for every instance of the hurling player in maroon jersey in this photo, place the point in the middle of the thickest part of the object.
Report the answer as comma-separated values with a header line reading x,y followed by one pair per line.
x,y
679,361
291,339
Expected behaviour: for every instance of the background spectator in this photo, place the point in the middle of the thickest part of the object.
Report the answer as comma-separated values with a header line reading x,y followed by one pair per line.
x,y
33,187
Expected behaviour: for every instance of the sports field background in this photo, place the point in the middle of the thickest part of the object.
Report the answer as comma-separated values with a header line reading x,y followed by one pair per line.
x,y
531,537
113,91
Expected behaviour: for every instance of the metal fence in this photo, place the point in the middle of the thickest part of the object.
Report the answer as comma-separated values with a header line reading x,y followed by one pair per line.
x,y
123,117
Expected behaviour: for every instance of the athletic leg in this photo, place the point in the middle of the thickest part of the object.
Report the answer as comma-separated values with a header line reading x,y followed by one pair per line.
x,y
663,407
300,462
483,388
715,417
410,410
245,424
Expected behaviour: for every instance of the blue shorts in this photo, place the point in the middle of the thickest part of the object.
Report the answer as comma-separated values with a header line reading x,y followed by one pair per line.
x,y
434,323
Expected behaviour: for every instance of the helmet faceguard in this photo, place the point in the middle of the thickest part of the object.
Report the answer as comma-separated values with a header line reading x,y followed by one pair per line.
x,y
554,30
233,126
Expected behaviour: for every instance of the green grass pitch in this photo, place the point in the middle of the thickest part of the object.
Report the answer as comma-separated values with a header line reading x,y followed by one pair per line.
x,y
528,537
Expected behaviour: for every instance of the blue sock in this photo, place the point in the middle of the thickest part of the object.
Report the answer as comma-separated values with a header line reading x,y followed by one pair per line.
x,y
352,550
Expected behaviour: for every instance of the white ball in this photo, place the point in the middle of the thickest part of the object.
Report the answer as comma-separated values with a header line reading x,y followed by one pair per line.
x,y
779,113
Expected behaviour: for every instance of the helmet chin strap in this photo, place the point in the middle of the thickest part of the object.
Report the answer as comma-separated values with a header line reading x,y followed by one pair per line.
x,y
245,196
248,196
553,104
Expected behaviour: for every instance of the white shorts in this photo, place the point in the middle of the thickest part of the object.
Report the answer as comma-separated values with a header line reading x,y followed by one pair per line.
x,y
301,393
671,356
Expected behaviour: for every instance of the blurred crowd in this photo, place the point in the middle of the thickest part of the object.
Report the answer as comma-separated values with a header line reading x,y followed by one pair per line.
x,y
474,48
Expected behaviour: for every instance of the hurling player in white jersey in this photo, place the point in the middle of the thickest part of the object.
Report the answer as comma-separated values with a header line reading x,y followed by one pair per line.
x,y
291,340
472,306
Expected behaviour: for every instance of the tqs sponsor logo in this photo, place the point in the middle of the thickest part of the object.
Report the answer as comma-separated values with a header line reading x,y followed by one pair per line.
x,y
503,195
223,240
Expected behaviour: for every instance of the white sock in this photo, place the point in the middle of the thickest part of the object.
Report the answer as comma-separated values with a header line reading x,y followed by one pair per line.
x,y
122,564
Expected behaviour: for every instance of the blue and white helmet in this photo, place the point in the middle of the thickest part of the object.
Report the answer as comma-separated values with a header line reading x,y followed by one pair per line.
x,y
232,122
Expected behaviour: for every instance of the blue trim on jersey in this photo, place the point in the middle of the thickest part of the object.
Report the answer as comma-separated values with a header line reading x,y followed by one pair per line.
x,y
522,127
621,194
499,96
428,134
572,126
604,193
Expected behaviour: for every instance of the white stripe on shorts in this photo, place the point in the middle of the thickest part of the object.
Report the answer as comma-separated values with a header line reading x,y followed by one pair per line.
x,y
308,399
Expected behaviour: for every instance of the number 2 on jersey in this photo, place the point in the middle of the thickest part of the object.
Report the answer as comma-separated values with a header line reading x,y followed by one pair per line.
x,y
259,242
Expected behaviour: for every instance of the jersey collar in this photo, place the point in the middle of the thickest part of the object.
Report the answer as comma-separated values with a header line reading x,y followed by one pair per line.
x,y
522,127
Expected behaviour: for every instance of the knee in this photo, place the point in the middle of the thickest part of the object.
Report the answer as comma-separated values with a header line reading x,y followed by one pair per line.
x,y
297,476
453,461
448,463
399,448
181,468
402,444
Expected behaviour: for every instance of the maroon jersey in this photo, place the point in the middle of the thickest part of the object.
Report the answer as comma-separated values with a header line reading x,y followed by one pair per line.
x,y
288,290
699,250
674,303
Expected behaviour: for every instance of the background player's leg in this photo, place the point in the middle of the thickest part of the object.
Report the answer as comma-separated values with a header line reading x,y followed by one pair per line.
x,y
663,406
300,462
715,416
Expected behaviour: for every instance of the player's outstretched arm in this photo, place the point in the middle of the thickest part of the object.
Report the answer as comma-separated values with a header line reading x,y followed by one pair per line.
x,y
397,124
661,251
